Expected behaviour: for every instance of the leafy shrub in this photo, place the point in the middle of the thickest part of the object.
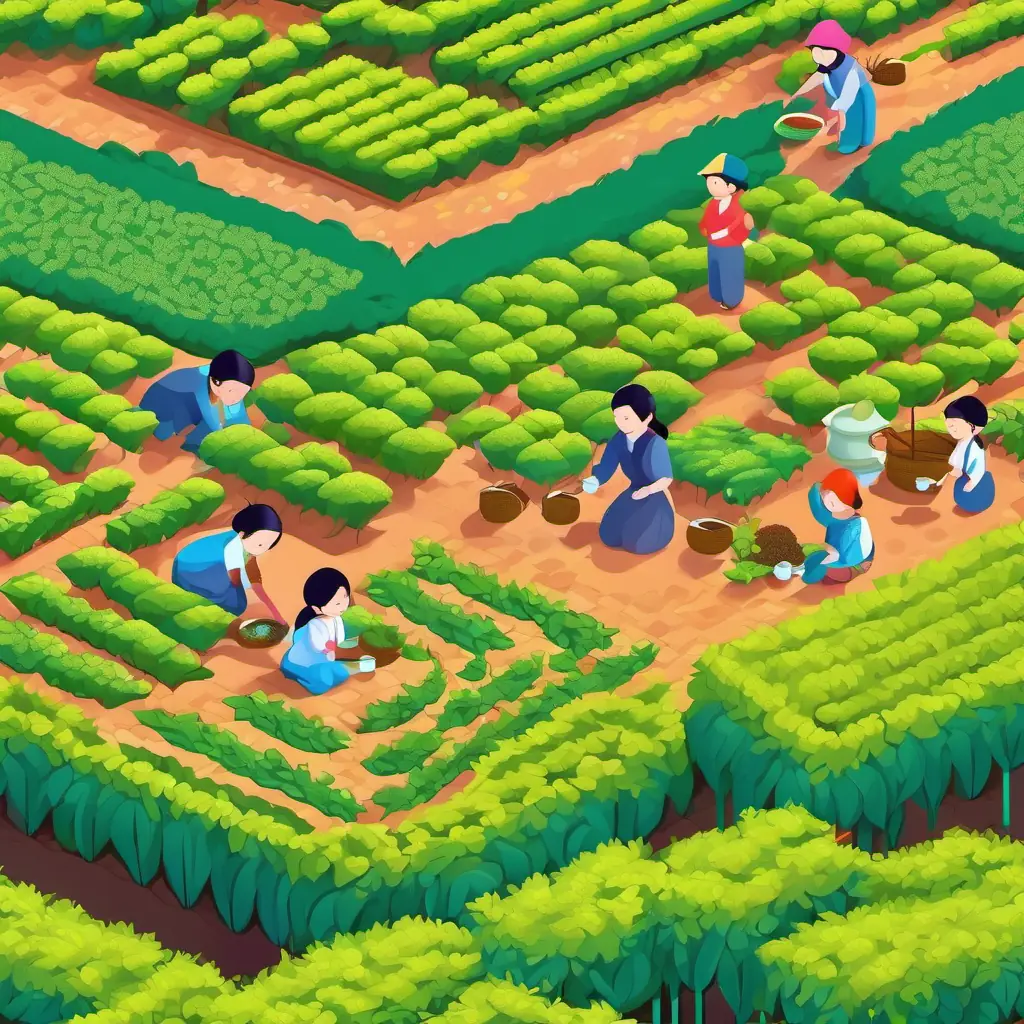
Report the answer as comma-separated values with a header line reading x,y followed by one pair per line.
x,y
189,504
416,451
285,723
601,369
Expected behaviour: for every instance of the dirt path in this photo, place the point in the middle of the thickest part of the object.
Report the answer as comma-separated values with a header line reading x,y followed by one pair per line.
x,y
59,94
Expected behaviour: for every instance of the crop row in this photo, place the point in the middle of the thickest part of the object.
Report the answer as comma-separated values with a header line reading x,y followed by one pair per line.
x,y
66,446
286,723
52,509
45,25
1007,426
593,755
111,353
78,397
137,642
190,503
311,476
267,768
981,26
177,613
572,631
427,780
382,715
634,67
927,693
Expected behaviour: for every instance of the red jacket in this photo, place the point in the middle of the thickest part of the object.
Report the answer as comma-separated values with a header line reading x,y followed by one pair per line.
x,y
733,221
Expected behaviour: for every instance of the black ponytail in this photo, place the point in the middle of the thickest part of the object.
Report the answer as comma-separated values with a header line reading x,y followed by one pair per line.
x,y
970,409
319,589
642,402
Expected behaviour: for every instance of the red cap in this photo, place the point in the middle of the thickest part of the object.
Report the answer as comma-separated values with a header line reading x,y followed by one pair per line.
x,y
843,484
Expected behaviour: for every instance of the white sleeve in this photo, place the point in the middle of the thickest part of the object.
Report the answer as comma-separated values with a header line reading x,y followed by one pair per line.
x,y
234,558
975,463
339,630
866,541
319,634
850,89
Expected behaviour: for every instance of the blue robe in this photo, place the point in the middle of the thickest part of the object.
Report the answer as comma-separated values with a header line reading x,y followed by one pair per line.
x,y
860,118
309,667
842,534
984,493
181,400
643,526
200,569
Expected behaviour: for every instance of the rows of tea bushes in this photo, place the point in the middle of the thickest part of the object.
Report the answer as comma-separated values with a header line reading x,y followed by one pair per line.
x,y
1006,426
68,447
930,694
111,353
190,503
134,641
827,932
286,723
981,26
267,768
45,25
178,614
41,508
78,397
311,476
605,766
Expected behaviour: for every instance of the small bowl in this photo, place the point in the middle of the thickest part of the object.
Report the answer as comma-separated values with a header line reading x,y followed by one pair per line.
x,y
783,571
799,133
924,483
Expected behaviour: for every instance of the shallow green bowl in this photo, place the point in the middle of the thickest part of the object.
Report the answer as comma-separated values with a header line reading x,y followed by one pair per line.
x,y
788,131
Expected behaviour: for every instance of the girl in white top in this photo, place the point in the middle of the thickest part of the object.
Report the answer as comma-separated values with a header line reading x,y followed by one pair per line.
x,y
314,658
974,489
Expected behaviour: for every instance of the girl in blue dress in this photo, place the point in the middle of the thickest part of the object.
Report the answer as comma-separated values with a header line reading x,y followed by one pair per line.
x,y
974,489
222,567
314,658
641,519
206,398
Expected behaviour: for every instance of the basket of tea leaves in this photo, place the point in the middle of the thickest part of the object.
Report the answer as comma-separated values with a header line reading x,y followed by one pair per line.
x,y
256,634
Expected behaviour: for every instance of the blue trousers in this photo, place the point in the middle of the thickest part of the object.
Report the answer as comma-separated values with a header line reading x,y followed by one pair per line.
x,y
726,273
860,122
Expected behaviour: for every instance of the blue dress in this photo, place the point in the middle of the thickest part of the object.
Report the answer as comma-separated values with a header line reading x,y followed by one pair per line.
x,y
201,568
306,663
181,400
845,535
861,115
984,492
643,526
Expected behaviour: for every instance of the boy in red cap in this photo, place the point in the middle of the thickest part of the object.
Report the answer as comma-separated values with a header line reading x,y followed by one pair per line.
x,y
849,548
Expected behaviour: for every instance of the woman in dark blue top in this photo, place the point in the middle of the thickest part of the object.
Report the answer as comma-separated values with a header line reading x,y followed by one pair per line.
x,y
641,519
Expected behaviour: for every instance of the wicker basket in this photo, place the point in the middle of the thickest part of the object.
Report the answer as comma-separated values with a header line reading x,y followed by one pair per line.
x,y
257,634
799,127
502,503
709,536
923,455
560,508
886,71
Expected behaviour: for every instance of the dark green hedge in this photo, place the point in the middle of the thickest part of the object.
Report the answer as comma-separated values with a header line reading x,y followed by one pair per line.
x,y
897,169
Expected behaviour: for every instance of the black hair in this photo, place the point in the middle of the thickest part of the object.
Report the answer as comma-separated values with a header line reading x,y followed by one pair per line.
x,y
827,68
254,518
318,591
232,365
741,186
641,401
970,409
858,501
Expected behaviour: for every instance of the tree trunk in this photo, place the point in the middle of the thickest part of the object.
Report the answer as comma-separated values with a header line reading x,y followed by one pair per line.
x,y
202,8
913,436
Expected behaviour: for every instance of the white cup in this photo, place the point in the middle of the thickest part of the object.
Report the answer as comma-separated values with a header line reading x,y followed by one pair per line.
x,y
922,483
783,571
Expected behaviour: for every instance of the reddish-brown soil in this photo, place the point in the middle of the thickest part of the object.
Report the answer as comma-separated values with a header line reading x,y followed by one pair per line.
x,y
59,94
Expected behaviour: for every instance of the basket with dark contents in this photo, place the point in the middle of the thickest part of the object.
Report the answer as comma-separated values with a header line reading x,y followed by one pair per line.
x,y
502,503
256,634
777,544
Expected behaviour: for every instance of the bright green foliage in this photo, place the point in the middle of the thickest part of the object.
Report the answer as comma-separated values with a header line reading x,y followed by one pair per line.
x,y
601,369
67,447
489,1002
723,457
132,640
183,616
266,768
573,631
189,504
287,724
453,391
884,396
472,425
772,324
387,714
471,632
839,358
85,675
465,706
407,752
546,389
416,451
918,383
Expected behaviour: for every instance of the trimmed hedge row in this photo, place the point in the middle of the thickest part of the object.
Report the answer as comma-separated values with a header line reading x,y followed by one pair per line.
x,y
930,695
267,768
1006,427
111,353
177,613
981,26
189,504
958,176
78,397
134,641
55,508
311,476
612,782
646,72
286,723
46,25
66,446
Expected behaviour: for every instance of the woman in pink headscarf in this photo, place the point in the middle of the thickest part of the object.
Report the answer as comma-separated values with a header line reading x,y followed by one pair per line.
x,y
846,84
